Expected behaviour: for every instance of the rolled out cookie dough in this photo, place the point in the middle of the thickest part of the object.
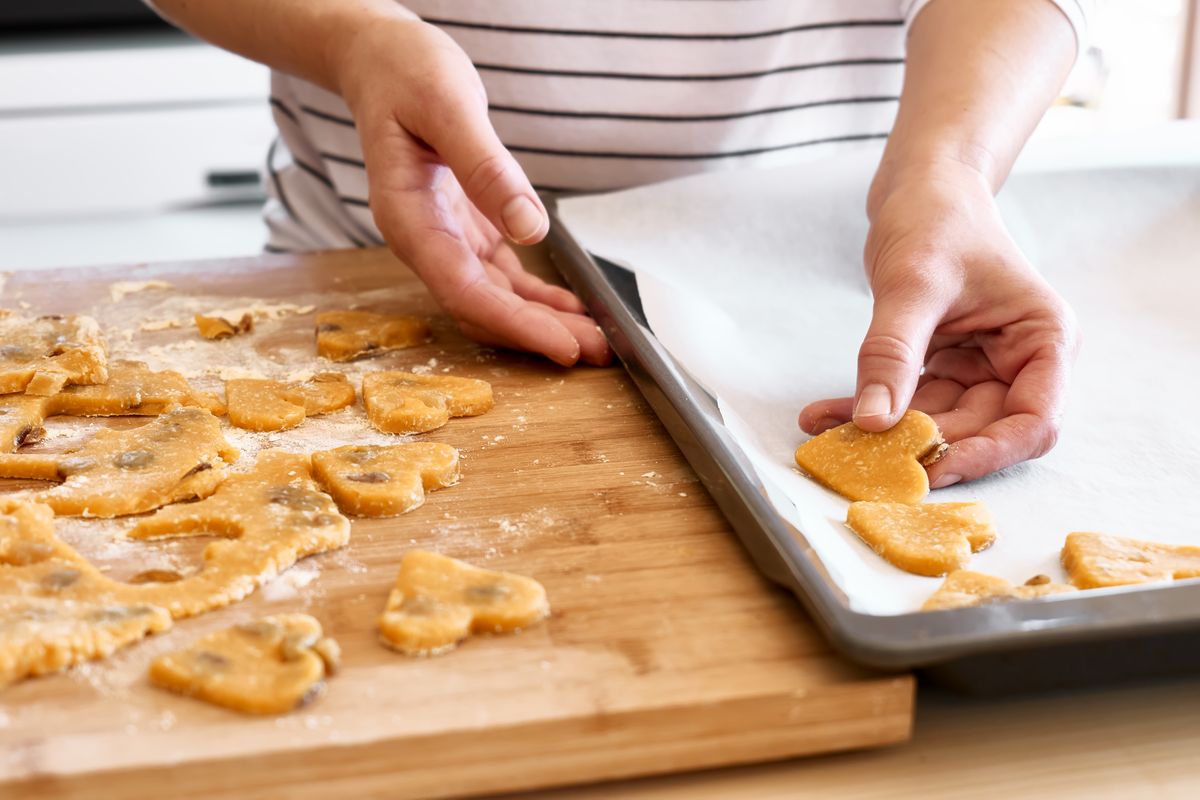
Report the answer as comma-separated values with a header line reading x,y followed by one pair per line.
x,y
385,480
347,335
930,539
1095,560
266,405
963,588
438,601
270,666
404,402
180,455
40,355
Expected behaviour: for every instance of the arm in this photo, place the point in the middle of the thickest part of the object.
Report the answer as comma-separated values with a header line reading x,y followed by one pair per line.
x,y
953,293
444,192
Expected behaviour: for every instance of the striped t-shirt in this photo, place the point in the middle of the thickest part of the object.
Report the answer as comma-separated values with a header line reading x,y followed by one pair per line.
x,y
592,96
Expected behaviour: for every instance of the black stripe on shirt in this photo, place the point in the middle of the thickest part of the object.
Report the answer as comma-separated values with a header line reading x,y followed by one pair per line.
x,y
283,109
753,151
731,76
547,112
710,37
325,115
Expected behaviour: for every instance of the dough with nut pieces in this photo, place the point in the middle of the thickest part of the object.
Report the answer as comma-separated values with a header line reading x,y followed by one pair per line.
x,y
930,539
385,480
439,601
269,666
885,467
963,588
266,405
348,335
404,402
41,355
1096,560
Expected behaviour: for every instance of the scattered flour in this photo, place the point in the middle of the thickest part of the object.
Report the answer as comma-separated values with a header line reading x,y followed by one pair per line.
x,y
118,290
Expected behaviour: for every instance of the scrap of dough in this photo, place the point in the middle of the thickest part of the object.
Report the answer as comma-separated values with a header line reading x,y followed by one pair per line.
x,y
347,335
21,418
439,601
385,481
180,455
270,666
268,518
40,355
132,389
930,539
963,588
220,328
119,289
404,402
266,405
887,466
1094,560
56,609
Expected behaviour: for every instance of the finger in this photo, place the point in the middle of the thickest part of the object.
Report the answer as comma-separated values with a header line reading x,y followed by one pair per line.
x,y
531,287
965,365
937,396
497,277
593,346
976,408
1007,441
822,415
891,357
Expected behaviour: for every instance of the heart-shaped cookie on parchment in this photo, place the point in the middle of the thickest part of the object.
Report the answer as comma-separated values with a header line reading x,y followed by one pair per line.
x,y
885,467
438,601
1095,560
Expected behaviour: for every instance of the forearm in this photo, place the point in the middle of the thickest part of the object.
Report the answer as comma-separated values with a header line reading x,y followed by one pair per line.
x,y
979,75
306,39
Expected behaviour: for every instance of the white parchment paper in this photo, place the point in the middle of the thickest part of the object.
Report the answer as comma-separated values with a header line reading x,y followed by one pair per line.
x,y
753,281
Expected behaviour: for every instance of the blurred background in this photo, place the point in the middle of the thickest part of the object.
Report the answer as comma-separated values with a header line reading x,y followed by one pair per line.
x,y
123,140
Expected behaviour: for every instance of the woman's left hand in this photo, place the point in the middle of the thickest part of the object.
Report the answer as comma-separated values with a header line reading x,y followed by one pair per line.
x,y
955,296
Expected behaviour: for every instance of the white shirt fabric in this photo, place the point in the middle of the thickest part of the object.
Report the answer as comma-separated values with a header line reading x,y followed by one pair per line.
x,y
594,95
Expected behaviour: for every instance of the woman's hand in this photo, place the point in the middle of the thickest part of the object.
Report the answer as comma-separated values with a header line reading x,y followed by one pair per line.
x,y
954,295
446,194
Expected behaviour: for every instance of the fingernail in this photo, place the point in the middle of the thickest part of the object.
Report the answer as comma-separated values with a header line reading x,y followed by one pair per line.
x,y
875,401
948,479
522,219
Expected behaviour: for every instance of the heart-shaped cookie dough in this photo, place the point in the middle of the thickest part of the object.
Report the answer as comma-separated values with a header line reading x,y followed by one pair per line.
x,y
1094,560
963,588
886,467
439,601
56,609
930,539
385,480
347,335
404,402
270,666
264,405
180,455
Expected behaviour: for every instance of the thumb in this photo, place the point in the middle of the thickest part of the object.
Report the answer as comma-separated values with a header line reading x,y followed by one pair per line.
x,y
890,359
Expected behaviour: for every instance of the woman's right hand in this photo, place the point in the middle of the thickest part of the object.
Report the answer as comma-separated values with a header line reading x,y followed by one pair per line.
x,y
446,194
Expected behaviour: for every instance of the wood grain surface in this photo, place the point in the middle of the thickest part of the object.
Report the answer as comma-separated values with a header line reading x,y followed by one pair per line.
x,y
666,651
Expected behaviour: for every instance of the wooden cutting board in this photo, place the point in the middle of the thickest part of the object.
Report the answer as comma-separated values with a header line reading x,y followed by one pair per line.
x,y
666,650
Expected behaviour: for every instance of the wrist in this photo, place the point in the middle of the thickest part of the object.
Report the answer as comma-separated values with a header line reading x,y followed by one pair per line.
x,y
898,172
358,40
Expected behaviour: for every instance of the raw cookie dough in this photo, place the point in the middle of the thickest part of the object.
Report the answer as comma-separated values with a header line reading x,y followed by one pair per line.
x,y
56,609
385,481
347,335
404,402
270,666
888,466
180,455
21,418
268,518
132,389
221,328
930,539
963,588
1093,560
440,601
264,405
40,355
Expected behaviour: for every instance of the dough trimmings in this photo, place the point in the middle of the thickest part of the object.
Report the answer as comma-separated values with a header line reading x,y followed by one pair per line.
x,y
41,355
268,518
930,539
1095,560
266,405
269,666
56,609
404,402
132,389
438,601
385,480
963,588
221,328
347,335
886,467
180,455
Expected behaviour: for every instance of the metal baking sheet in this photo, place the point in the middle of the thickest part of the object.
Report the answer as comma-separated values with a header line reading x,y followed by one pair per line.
x,y
1055,641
